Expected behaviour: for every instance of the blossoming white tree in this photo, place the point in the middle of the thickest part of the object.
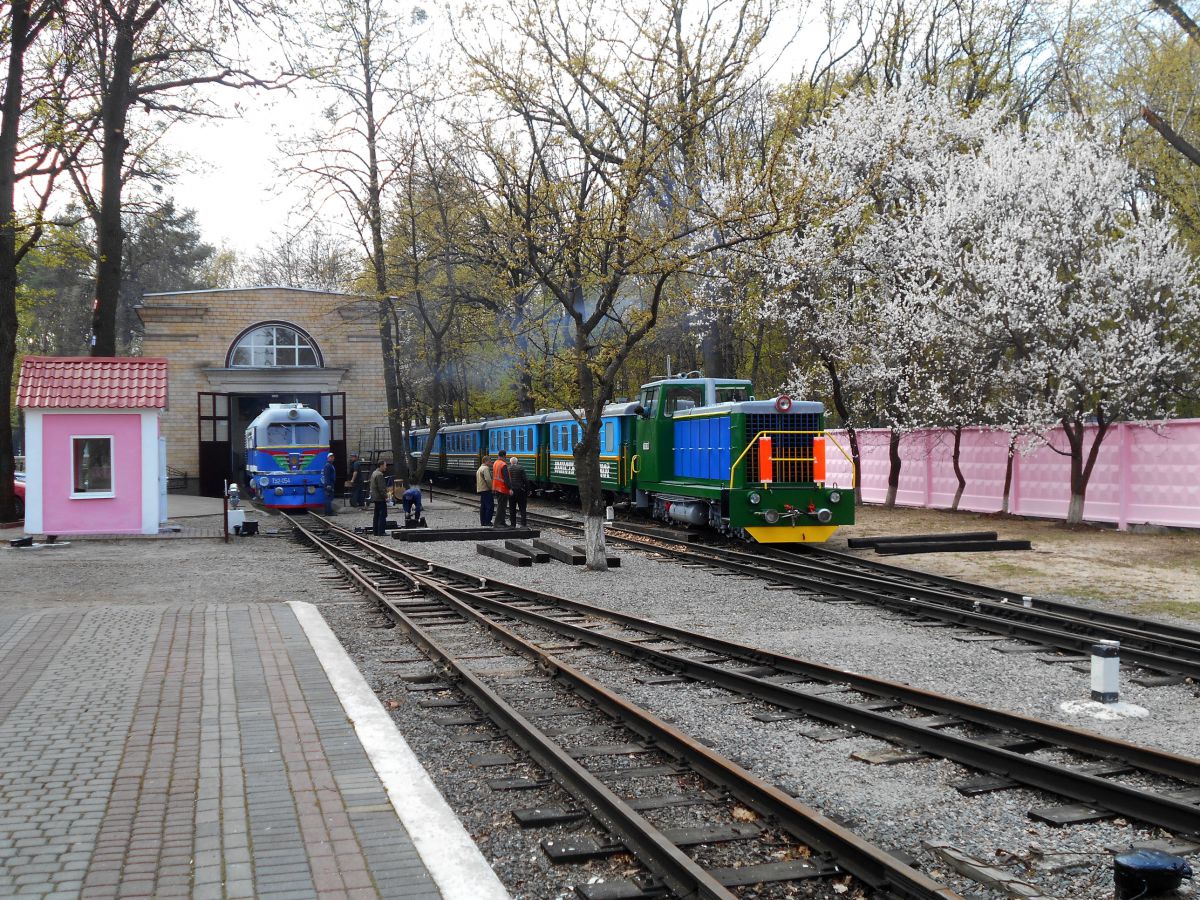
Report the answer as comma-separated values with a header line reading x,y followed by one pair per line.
x,y
1085,313
967,268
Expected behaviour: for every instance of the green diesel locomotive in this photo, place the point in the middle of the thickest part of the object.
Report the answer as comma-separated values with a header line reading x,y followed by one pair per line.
x,y
699,451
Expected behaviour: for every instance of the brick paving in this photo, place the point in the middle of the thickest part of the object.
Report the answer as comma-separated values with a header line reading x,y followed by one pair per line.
x,y
191,750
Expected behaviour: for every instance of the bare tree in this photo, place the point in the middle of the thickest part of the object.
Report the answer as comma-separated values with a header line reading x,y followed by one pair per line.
x,y
142,57
360,60
600,130
311,258
24,154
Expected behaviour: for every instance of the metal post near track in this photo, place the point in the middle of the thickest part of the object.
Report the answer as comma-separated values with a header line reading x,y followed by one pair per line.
x,y
225,511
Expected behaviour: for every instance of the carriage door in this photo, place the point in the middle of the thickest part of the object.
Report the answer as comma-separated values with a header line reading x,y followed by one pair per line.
x,y
333,408
216,463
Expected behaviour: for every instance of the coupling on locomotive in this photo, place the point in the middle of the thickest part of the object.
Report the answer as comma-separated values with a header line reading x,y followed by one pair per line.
x,y
700,451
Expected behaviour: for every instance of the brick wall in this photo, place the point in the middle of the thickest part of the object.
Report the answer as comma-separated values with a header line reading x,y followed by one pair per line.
x,y
195,330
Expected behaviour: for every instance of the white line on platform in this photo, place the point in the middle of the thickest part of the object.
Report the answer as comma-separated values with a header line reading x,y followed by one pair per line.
x,y
452,858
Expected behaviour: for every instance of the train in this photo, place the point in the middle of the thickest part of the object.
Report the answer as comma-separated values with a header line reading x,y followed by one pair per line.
x,y
287,446
691,450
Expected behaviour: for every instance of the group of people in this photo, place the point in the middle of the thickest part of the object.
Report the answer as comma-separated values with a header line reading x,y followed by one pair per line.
x,y
503,488
371,489
502,485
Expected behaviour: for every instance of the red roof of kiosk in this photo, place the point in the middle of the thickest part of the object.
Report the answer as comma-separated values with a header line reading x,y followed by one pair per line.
x,y
92,382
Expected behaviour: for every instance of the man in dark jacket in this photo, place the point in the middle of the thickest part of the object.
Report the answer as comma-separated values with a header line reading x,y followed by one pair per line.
x,y
329,482
518,483
379,498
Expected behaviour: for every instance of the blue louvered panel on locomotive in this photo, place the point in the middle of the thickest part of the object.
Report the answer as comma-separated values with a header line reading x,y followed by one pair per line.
x,y
702,448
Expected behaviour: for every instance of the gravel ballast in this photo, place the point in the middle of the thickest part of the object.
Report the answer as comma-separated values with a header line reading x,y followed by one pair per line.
x,y
895,806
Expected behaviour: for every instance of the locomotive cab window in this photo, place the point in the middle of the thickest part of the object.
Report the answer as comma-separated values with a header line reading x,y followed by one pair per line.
x,y
307,433
648,398
682,397
732,393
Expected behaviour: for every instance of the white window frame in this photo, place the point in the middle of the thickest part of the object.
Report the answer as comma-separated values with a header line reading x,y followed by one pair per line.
x,y
95,495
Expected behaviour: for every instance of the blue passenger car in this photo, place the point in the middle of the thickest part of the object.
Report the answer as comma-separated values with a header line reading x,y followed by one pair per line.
x,y
287,446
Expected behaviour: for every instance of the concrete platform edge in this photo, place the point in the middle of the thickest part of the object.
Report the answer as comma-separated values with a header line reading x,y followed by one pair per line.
x,y
453,859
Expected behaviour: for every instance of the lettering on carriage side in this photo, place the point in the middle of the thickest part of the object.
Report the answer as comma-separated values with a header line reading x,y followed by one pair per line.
x,y
606,470
564,467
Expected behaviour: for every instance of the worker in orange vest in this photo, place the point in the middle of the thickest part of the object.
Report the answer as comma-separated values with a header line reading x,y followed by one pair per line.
x,y
500,488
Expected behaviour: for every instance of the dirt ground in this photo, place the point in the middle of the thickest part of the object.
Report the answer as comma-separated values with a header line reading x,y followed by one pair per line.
x,y
1149,574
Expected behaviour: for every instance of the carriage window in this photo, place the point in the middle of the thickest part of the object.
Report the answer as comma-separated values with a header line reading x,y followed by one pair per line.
x,y
307,433
610,440
92,467
274,346
683,397
732,393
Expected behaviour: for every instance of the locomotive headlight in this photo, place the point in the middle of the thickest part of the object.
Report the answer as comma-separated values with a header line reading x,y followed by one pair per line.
x,y
835,497
772,516
754,497
264,481
824,515
312,488
278,492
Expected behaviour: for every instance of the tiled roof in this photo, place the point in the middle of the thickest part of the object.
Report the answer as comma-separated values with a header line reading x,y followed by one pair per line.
x,y
92,382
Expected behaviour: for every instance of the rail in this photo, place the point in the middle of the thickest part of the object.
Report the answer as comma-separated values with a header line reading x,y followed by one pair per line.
x,y
652,847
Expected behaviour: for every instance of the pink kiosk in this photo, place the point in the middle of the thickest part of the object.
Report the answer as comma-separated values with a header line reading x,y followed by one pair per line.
x,y
91,443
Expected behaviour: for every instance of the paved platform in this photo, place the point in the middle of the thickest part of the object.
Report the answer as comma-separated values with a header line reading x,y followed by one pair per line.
x,y
202,751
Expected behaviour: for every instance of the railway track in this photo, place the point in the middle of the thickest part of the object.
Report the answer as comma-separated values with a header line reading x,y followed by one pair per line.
x,y
779,841
1101,777
1170,653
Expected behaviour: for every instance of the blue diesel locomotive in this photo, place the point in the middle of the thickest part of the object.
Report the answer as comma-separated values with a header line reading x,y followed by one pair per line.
x,y
287,446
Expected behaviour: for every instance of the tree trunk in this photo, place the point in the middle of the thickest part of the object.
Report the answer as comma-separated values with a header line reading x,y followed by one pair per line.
x,y
1081,467
840,404
893,468
717,345
591,499
10,120
962,482
110,235
1008,473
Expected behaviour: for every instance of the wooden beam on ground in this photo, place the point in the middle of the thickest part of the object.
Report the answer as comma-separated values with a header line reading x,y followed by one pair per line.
x,y
952,547
505,556
487,533
859,543
559,552
614,562
538,556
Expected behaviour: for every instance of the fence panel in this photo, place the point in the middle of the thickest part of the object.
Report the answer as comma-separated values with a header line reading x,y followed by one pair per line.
x,y
1144,473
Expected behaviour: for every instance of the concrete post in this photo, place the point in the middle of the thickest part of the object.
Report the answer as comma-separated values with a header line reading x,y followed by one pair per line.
x,y
1106,664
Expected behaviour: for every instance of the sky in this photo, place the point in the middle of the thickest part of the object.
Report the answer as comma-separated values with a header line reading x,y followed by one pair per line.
x,y
235,183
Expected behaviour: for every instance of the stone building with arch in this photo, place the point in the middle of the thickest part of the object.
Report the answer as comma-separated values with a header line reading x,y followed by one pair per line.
x,y
232,351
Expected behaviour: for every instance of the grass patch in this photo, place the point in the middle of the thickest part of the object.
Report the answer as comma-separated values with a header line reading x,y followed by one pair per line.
x,y
1181,608
1007,568
1094,592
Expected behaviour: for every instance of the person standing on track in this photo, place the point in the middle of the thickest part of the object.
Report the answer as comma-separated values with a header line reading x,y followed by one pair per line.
x,y
500,488
518,483
379,496
483,487
329,482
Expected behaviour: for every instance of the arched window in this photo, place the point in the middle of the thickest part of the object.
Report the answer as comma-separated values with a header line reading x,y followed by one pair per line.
x,y
274,345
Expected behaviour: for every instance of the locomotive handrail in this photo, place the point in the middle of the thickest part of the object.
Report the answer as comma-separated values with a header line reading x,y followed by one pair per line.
x,y
753,442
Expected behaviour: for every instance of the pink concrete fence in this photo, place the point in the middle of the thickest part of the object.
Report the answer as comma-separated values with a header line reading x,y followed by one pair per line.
x,y
1144,474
